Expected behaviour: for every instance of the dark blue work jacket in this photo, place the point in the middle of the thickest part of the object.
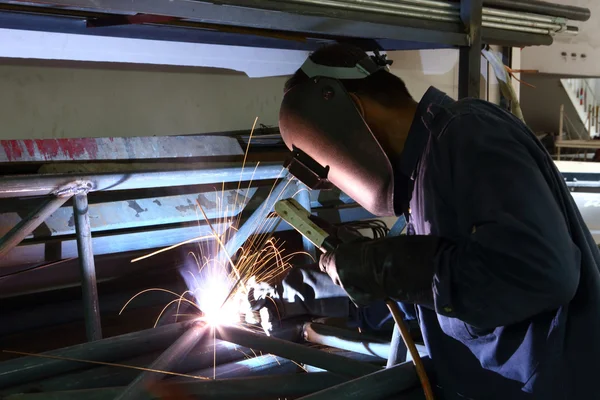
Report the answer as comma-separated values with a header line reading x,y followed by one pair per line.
x,y
517,284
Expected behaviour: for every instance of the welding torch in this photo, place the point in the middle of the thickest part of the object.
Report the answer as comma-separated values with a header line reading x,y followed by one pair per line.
x,y
300,219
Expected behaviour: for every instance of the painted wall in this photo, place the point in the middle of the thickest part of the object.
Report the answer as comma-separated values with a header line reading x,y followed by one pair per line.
x,y
585,47
44,99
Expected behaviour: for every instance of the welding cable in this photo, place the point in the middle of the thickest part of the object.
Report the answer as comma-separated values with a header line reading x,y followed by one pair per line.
x,y
412,348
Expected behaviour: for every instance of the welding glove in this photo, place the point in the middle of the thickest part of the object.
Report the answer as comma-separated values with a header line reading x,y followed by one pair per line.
x,y
400,268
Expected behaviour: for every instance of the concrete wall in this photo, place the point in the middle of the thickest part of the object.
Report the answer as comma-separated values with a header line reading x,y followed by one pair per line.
x,y
44,99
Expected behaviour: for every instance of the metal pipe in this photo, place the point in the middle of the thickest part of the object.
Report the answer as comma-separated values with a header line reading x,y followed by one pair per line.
x,y
296,352
379,10
400,5
91,306
345,339
542,7
28,224
397,353
378,385
522,15
292,385
539,31
43,185
254,221
174,354
523,22
32,368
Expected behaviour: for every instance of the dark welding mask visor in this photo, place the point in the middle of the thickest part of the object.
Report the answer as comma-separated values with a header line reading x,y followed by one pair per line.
x,y
320,121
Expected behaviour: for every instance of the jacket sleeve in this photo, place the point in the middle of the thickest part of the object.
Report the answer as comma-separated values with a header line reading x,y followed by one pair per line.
x,y
514,257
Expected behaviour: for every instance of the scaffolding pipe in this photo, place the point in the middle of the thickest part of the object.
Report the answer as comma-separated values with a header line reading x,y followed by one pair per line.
x,y
378,385
43,185
167,360
296,352
31,368
28,224
83,231
542,7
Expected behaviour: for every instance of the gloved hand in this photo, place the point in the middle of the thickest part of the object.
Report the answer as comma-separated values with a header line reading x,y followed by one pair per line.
x,y
401,268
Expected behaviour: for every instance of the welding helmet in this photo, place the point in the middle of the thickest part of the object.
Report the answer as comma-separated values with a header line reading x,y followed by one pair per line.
x,y
330,140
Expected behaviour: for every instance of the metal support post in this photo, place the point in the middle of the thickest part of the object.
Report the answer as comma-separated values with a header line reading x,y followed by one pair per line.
x,y
375,386
28,224
469,71
397,353
303,198
296,352
32,368
91,308
165,362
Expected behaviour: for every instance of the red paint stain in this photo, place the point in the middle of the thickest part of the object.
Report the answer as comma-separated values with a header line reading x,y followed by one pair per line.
x,y
12,149
71,149
30,146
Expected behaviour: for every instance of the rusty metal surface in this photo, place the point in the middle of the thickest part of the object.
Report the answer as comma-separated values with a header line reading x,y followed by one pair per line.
x,y
117,148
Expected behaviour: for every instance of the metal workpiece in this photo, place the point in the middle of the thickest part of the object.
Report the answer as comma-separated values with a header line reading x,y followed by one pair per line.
x,y
345,339
28,224
42,185
296,352
292,385
255,222
91,306
167,360
470,57
31,368
397,353
376,386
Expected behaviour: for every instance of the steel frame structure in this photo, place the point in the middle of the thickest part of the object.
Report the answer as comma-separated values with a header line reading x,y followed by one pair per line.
x,y
263,23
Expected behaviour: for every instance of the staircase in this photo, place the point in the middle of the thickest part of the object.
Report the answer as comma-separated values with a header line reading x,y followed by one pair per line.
x,y
582,93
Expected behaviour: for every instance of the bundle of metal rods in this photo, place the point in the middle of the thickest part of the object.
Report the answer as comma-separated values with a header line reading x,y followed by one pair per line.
x,y
443,11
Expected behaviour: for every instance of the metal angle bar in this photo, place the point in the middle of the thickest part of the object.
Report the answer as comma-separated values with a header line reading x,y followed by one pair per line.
x,y
30,253
296,352
41,185
31,368
375,386
91,306
292,385
174,354
28,224
470,57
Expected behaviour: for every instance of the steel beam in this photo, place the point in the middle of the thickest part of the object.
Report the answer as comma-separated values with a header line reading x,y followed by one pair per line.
x,y
43,185
470,56
31,368
345,339
174,354
91,306
28,224
296,352
376,386
285,386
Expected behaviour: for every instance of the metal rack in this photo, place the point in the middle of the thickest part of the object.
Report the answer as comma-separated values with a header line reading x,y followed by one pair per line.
x,y
290,24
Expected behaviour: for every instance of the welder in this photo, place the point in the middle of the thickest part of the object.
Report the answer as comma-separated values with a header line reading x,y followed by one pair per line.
x,y
498,263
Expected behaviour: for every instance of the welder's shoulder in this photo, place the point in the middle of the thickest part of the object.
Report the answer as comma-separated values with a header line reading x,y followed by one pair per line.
x,y
474,120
